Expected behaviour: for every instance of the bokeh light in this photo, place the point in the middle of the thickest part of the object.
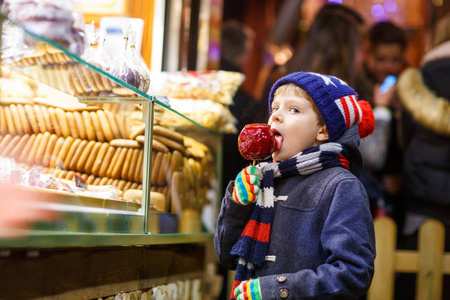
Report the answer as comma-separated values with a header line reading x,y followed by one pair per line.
x,y
377,10
390,6
379,13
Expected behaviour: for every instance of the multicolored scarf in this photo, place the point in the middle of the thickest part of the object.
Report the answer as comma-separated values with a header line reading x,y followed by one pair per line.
x,y
252,245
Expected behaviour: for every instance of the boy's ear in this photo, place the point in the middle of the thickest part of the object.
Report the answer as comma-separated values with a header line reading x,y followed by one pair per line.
x,y
322,135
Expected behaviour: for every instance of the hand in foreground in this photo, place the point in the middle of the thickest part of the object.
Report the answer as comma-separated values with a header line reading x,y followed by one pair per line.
x,y
246,185
20,209
248,290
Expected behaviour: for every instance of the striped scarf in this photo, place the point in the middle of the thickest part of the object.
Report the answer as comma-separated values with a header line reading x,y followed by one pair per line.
x,y
252,245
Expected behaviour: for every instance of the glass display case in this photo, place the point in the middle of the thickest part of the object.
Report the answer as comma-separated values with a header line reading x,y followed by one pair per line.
x,y
118,166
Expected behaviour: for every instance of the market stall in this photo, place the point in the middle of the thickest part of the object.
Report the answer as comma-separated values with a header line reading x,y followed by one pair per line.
x,y
133,181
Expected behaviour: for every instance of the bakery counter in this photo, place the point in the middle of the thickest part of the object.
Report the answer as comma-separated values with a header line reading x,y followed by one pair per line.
x,y
101,161
45,239
115,160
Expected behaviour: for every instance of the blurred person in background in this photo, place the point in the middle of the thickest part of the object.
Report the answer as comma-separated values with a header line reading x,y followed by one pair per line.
x,y
425,97
236,46
382,153
333,46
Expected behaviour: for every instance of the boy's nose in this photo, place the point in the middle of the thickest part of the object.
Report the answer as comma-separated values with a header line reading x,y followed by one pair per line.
x,y
276,116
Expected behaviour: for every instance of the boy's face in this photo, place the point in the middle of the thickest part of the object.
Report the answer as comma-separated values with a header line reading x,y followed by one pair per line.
x,y
296,126
384,60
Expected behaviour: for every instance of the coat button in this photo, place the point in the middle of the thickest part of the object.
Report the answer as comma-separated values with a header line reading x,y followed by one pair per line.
x,y
283,293
281,278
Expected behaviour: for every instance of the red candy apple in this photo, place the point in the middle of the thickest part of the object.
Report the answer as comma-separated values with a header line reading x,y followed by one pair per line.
x,y
256,141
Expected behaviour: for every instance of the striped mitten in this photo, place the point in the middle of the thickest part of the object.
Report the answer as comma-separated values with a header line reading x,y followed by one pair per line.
x,y
248,290
246,185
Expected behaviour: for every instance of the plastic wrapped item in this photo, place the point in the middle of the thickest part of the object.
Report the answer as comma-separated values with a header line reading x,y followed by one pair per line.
x,y
207,113
95,53
6,166
122,67
104,191
58,21
138,61
12,174
217,86
13,46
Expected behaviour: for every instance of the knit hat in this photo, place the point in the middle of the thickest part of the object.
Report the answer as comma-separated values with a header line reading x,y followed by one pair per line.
x,y
335,100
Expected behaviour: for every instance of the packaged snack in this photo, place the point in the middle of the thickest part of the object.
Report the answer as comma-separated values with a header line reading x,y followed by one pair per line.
x,y
58,21
122,67
138,61
13,46
95,53
207,113
217,86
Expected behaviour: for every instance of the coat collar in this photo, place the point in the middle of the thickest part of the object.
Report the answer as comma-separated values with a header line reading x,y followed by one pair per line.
x,y
439,52
429,110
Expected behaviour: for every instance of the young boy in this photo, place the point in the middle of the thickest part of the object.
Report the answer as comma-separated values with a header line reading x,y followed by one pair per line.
x,y
300,227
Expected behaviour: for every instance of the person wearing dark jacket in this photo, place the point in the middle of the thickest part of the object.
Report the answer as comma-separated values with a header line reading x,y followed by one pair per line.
x,y
425,97
300,227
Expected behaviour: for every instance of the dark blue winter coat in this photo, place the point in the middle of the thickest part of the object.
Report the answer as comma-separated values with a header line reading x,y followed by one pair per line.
x,y
322,236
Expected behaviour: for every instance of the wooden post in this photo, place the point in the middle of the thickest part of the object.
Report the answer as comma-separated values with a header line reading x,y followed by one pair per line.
x,y
383,280
431,250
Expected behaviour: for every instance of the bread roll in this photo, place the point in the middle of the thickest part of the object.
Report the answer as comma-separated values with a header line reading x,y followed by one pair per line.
x,y
23,119
90,131
16,119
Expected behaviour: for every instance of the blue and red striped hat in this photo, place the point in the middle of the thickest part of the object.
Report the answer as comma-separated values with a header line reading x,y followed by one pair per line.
x,y
337,102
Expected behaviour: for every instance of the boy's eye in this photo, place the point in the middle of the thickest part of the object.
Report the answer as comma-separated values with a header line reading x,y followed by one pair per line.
x,y
274,108
294,110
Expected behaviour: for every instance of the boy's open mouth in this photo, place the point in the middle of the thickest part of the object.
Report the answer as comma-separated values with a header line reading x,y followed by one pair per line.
x,y
278,140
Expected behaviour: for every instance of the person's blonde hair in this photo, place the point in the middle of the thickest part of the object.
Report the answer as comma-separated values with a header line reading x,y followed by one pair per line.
x,y
293,90
442,31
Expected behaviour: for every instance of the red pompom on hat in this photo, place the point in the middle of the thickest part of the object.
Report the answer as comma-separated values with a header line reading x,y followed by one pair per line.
x,y
366,125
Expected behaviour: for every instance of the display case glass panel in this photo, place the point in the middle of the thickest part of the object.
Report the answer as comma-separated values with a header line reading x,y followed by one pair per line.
x,y
107,157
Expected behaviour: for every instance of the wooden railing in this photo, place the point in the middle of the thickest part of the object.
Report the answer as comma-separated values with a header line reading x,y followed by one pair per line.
x,y
429,261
